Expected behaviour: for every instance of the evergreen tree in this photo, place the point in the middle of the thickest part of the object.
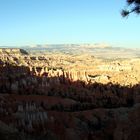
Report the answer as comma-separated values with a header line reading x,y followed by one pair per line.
x,y
133,6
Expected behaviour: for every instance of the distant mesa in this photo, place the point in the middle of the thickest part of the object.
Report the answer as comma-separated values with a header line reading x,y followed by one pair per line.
x,y
95,45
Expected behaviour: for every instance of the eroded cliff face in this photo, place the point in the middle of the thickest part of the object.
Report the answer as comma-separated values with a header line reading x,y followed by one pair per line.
x,y
43,98
72,75
84,67
89,70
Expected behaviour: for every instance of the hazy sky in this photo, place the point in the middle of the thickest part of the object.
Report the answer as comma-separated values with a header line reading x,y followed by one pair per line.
x,y
27,22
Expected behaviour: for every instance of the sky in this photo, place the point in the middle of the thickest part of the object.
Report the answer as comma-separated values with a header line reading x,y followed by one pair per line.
x,y
30,22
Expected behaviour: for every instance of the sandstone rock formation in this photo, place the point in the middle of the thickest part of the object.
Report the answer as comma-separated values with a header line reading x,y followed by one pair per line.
x,y
64,97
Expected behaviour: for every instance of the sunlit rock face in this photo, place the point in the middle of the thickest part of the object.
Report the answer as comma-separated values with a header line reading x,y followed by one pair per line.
x,y
83,98
71,74
74,67
81,67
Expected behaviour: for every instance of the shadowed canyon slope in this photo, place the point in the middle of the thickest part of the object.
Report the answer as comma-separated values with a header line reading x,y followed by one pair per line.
x,y
68,97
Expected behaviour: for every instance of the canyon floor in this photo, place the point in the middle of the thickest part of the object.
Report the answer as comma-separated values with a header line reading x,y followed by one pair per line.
x,y
66,95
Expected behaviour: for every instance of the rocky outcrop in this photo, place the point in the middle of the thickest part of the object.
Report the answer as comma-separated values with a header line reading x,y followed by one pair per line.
x,y
13,51
45,99
80,67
